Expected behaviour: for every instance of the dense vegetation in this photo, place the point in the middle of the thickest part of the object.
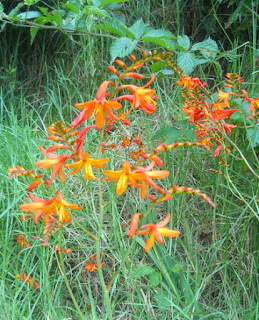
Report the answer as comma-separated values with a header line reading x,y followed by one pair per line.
x,y
210,270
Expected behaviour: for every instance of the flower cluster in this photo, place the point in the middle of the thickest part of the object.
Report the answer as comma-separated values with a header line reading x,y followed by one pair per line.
x,y
28,280
114,102
211,117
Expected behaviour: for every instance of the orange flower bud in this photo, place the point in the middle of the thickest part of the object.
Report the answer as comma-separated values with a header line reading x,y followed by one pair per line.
x,y
121,63
113,70
134,224
33,185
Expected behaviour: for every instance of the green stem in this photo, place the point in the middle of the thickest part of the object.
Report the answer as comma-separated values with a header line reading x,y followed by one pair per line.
x,y
99,235
63,272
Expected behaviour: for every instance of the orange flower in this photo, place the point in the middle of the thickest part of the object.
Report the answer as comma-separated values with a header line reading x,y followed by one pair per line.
x,y
218,115
124,176
254,103
22,241
148,176
55,206
100,107
225,96
87,163
23,277
189,82
156,231
142,98
55,161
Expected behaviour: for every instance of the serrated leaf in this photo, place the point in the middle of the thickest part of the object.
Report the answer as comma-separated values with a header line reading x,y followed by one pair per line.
x,y
122,47
187,62
140,271
159,33
113,27
138,28
201,61
163,300
208,48
163,42
29,15
184,42
155,278
105,2
253,135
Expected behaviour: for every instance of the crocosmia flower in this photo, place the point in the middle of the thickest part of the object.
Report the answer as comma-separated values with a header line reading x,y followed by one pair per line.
x,y
100,107
156,231
55,161
142,98
55,206
87,163
124,176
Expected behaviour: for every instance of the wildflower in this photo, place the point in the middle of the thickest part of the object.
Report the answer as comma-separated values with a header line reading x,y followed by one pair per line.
x,y
156,231
148,176
55,161
87,163
190,83
218,115
141,98
254,103
23,277
22,241
225,96
99,107
55,206
62,251
124,176
90,267
125,142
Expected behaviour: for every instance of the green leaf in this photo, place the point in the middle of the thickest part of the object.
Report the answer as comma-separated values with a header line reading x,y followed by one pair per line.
x,y
112,26
208,48
43,20
105,2
97,11
253,135
158,33
122,47
174,135
138,28
163,300
157,66
155,278
33,32
162,132
184,42
163,42
1,10
140,271
29,15
187,62
72,7
201,61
